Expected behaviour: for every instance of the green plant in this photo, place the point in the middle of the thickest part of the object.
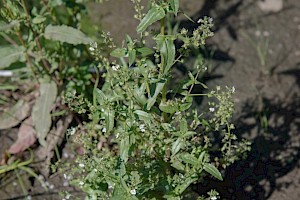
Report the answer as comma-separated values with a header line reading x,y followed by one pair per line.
x,y
145,140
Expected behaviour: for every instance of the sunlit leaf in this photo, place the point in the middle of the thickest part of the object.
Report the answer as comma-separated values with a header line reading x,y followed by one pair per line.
x,y
213,171
144,51
177,145
187,182
66,34
10,54
41,110
188,158
175,6
154,14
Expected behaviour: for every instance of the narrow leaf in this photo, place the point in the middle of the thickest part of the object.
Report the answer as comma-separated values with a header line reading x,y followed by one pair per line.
x,y
10,54
213,171
66,34
187,182
175,6
124,148
14,115
41,110
176,146
154,14
152,100
188,158
146,117
144,51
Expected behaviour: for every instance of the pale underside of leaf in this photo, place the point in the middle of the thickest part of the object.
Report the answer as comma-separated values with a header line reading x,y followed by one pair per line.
x,y
41,110
66,34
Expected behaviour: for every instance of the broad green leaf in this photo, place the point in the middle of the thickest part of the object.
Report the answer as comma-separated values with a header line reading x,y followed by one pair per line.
x,y
175,6
213,171
187,182
177,145
186,104
41,110
154,14
124,148
188,158
14,115
152,99
66,34
119,52
168,107
143,115
119,193
144,51
178,165
10,54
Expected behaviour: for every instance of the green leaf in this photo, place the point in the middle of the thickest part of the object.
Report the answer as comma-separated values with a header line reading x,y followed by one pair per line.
x,y
187,182
10,54
100,96
119,193
146,117
167,49
14,115
158,89
144,51
175,6
177,145
188,158
139,94
131,55
168,107
38,19
154,14
124,148
178,165
66,34
109,119
186,104
119,52
183,126
213,171
41,110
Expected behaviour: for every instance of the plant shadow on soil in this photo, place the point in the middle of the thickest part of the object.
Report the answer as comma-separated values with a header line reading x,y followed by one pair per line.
x,y
275,149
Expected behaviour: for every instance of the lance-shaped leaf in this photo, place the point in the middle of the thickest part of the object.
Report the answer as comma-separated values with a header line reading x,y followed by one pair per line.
x,y
66,34
41,110
154,14
175,6
187,182
5,27
167,49
10,54
152,99
14,115
213,171
119,52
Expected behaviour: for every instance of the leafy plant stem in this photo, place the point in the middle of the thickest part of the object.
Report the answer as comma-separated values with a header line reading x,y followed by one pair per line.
x,y
164,90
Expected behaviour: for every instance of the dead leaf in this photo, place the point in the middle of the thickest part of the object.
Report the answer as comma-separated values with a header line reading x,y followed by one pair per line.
x,y
26,137
14,115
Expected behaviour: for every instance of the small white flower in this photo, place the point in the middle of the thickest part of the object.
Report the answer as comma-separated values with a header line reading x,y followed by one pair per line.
x,y
133,192
81,165
51,187
199,21
81,183
104,130
212,109
95,170
142,128
110,187
181,175
72,131
66,183
68,196
117,135
28,197
213,198
92,49
65,176
233,89
115,67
